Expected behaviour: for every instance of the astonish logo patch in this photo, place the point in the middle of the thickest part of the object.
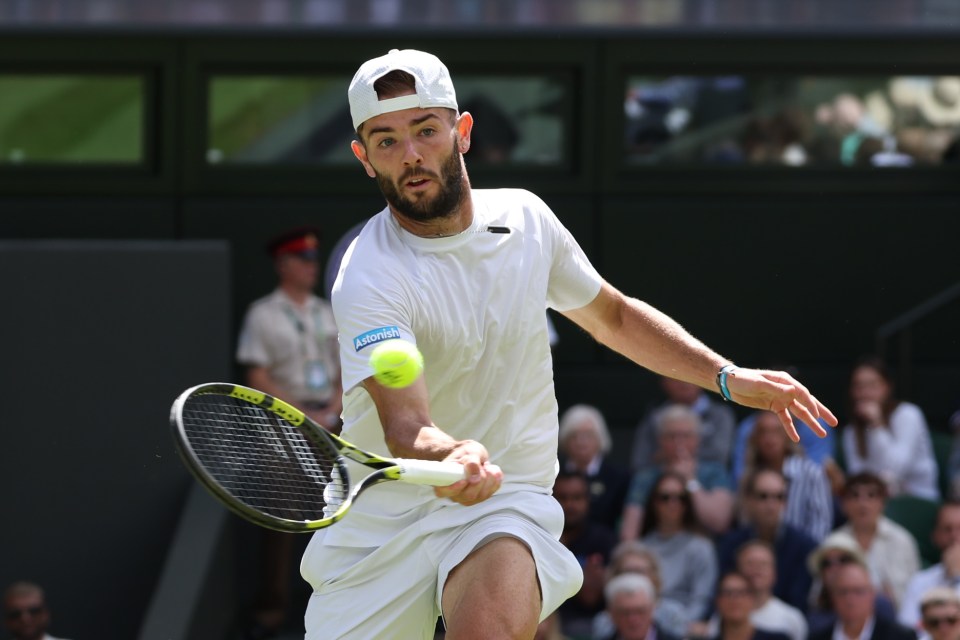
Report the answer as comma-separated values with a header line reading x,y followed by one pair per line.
x,y
374,336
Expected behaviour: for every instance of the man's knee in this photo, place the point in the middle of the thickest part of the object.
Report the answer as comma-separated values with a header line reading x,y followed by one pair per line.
x,y
493,593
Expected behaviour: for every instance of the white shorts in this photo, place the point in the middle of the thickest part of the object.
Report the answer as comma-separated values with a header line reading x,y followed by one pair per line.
x,y
393,589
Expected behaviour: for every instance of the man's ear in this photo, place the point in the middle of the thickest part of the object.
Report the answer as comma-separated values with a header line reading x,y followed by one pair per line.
x,y
361,153
464,126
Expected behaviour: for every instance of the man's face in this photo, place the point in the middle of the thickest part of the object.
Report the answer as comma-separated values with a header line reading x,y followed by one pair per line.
x,y
766,500
853,594
573,495
298,270
632,614
942,621
757,563
416,157
678,439
863,504
947,532
26,616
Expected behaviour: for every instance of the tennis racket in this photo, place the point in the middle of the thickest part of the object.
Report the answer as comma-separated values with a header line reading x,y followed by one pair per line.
x,y
272,465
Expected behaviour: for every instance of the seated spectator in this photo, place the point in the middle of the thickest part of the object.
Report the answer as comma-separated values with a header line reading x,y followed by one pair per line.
x,y
631,601
632,556
887,436
717,422
25,612
584,445
687,560
734,604
591,543
763,496
678,441
837,549
854,597
756,561
809,505
940,614
946,536
892,554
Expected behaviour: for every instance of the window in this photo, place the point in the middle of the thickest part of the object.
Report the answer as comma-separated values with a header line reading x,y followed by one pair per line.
x,y
68,119
297,120
793,121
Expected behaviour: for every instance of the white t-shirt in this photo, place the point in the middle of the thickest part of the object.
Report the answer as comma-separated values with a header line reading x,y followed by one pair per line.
x,y
474,304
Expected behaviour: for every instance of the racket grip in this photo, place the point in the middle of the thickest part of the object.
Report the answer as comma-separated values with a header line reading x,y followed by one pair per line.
x,y
430,472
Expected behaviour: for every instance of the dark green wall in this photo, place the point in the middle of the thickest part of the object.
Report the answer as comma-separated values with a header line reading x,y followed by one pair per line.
x,y
764,265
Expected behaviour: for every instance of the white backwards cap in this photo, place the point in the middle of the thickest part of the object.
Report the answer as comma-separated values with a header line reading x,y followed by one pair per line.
x,y
434,86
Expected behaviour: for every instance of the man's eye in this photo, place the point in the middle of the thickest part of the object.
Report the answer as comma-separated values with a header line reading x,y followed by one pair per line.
x,y
386,142
427,131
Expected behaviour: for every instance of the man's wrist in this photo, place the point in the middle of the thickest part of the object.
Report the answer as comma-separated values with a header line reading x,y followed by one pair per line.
x,y
722,375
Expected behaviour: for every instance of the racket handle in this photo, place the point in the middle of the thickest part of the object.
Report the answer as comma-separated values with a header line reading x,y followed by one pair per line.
x,y
430,472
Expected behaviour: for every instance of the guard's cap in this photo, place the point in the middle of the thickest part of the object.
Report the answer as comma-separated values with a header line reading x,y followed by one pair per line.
x,y
302,241
433,83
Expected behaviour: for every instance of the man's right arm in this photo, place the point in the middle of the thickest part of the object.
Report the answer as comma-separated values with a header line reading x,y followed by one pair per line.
x,y
410,433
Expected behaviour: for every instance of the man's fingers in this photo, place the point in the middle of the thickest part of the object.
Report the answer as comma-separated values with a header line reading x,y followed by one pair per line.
x,y
787,421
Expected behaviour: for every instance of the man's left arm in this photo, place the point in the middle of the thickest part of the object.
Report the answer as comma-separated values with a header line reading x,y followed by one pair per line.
x,y
655,341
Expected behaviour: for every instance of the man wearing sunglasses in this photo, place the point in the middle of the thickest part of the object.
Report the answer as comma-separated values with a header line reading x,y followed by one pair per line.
x,y
25,612
940,614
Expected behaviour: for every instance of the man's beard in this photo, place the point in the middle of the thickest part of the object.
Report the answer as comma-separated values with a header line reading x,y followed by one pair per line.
x,y
450,182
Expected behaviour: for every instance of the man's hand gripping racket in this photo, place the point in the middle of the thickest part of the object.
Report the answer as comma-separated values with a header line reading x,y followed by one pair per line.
x,y
274,466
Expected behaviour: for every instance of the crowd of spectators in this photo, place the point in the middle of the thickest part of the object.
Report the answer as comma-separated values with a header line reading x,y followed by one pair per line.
x,y
724,530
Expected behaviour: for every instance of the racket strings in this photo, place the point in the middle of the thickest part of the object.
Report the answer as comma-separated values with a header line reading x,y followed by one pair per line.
x,y
262,460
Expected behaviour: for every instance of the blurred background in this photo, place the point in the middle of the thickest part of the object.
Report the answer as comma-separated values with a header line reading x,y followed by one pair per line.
x,y
781,176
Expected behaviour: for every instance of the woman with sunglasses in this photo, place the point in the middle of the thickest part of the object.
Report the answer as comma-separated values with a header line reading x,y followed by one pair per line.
x,y
687,559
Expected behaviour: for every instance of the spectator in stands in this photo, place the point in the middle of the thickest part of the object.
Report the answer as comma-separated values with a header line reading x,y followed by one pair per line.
x,y
584,448
940,613
591,543
763,494
809,504
687,560
892,554
717,422
632,556
631,601
678,429
756,561
25,612
734,604
837,549
887,436
853,595
288,345
946,536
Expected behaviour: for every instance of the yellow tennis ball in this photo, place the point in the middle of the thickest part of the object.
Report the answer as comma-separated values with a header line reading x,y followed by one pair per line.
x,y
396,363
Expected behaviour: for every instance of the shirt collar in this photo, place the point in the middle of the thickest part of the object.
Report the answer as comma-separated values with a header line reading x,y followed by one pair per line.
x,y
865,633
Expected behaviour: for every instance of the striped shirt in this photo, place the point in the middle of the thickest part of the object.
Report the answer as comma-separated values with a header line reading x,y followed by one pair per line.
x,y
809,503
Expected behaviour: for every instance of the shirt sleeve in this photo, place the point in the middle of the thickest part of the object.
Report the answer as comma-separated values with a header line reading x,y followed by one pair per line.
x,y
574,282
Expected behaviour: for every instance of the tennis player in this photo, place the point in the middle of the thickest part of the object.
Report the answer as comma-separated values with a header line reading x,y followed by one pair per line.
x,y
466,275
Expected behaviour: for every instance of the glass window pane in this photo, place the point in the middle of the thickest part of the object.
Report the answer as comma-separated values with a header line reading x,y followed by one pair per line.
x,y
306,119
792,121
71,119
